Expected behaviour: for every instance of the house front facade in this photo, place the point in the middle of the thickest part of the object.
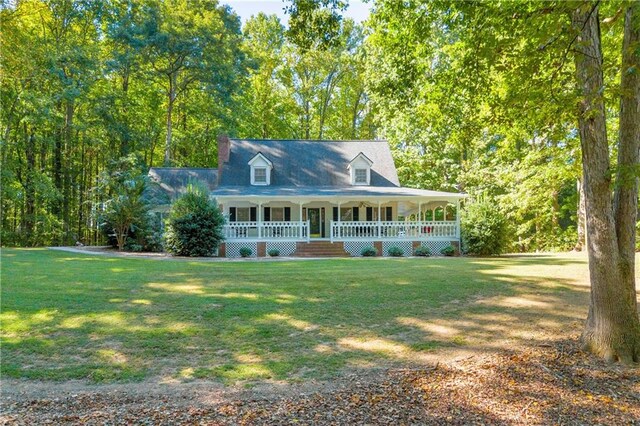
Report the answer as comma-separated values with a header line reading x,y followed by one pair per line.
x,y
325,198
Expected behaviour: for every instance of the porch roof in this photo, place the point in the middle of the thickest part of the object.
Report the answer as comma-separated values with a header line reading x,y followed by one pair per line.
x,y
330,192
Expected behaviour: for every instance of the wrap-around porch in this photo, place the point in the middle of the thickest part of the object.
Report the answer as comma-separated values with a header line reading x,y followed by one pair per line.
x,y
305,220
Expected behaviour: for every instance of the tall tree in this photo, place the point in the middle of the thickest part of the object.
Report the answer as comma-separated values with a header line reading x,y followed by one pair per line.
x,y
613,326
494,82
193,42
267,105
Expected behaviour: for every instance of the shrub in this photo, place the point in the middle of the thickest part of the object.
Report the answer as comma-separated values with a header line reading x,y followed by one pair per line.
x,y
125,215
448,251
422,251
395,252
274,252
369,252
484,229
245,252
194,227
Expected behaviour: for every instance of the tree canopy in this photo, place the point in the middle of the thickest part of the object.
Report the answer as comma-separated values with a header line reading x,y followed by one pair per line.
x,y
472,96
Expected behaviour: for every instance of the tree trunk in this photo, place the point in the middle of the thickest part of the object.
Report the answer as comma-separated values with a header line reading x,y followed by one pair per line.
x,y
172,98
125,136
331,81
66,175
582,221
29,189
612,329
354,116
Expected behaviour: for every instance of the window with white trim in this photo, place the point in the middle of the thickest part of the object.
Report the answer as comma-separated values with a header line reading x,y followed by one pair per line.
x,y
243,214
260,175
361,176
277,214
346,214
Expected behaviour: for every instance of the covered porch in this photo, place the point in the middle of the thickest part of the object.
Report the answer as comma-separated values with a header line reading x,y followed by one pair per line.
x,y
297,219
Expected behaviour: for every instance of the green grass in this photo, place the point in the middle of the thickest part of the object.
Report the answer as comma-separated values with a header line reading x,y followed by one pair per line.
x,y
68,316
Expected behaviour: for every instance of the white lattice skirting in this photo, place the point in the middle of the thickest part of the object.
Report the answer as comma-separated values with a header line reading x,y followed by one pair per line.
x,y
405,246
286,248
233,249
436,246
354,248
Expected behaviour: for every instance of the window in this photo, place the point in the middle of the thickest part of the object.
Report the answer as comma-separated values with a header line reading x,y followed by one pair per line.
x,y
346,214
277,214
360,170
361,176
243,214
260,175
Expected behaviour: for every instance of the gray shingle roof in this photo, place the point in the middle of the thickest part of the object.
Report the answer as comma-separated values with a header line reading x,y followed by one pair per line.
x,y
305,163
173,181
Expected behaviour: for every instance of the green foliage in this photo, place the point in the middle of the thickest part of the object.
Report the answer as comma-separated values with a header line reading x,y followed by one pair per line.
x,y
369,252
448,251
274,252
137,80
245,252
125,184
315,23
472,96
484,229
395,251
450,82
126,212
194,227
422,251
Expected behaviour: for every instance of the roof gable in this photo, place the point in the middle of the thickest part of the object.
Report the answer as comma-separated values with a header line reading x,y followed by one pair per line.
x,y
258,158
304,163
360,158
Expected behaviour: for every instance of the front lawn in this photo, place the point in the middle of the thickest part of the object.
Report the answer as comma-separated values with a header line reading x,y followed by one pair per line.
x,y
72,316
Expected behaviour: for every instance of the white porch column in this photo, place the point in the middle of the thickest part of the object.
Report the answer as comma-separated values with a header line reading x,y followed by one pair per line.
x,y
379,221
419,211
458,220
259,217
338,229
300,219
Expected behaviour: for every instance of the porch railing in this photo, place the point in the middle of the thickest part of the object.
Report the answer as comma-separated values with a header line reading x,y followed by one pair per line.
x,y
297,231
285,230
342,231
392,230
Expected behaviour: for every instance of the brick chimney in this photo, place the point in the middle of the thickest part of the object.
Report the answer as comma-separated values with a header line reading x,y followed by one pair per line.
x,y
224,146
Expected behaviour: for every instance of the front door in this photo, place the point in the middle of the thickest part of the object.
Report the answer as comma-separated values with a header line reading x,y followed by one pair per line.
x,y
315,222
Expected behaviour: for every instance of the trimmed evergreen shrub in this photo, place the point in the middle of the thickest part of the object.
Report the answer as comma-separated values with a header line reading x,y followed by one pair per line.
x,y
369,252
195,225
395,252
245,252
448,251
274,253
484,229
422,251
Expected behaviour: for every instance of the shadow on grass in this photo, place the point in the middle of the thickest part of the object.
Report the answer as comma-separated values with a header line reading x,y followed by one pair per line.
x,y
110,319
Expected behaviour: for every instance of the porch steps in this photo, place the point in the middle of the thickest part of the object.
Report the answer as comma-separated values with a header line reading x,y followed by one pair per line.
x,y
320,249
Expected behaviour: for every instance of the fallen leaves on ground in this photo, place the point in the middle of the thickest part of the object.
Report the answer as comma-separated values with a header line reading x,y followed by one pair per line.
x,y
548,384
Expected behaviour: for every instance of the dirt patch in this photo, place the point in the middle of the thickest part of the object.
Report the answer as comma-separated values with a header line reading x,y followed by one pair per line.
x,y
546,384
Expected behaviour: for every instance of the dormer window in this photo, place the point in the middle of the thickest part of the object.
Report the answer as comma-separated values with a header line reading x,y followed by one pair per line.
x,y
360,169
260,175
261,168
361,176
